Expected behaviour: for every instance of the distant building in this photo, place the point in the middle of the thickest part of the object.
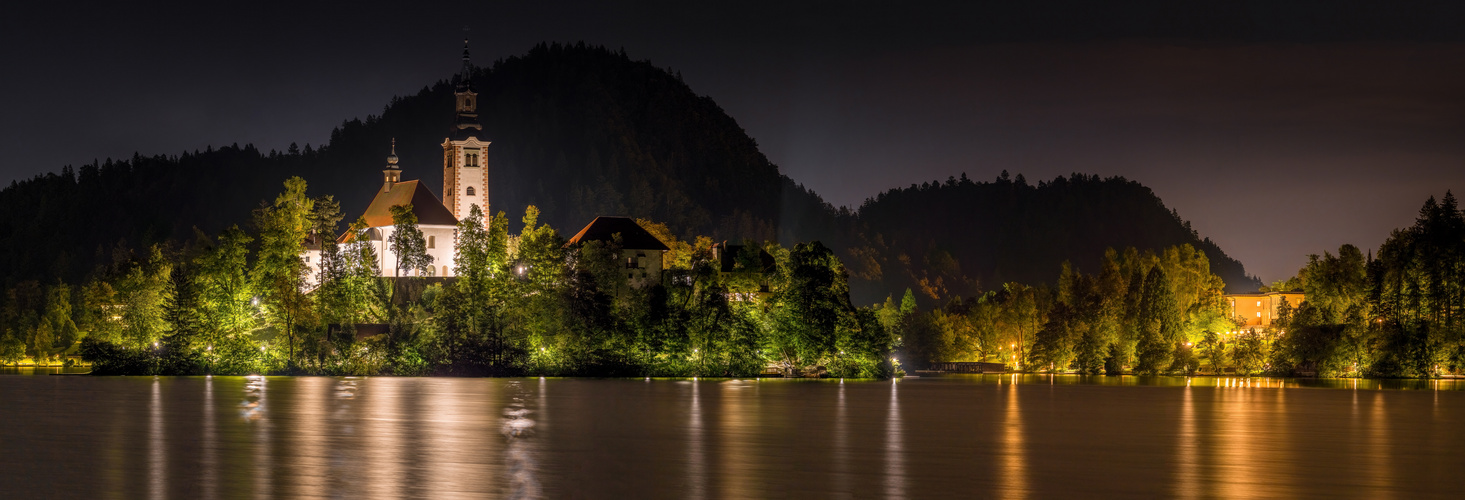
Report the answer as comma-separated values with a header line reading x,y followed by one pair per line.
x,y
1259,310
641,252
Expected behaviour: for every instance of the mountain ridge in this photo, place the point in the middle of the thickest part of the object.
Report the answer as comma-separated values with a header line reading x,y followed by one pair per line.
x,y
581,131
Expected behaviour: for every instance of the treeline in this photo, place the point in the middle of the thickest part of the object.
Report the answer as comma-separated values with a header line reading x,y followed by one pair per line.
x,y
953,237
241,302
1394,314
1142,312
582,131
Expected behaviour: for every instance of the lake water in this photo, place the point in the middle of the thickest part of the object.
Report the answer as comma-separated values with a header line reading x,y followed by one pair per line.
x,y
953,437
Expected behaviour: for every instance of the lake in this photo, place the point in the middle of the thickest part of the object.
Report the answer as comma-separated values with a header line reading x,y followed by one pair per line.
x,y
1008,436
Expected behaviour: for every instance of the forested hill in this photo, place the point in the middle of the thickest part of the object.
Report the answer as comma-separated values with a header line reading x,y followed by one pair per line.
x,y
949,238
583,131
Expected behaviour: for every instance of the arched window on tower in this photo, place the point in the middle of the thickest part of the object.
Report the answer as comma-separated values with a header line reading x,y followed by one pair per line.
x,y
470,191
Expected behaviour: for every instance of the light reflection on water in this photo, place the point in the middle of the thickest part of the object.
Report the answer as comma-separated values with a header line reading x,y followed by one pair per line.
x,y
1010,436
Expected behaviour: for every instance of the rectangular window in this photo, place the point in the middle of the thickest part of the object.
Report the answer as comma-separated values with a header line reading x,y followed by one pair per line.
x,y
1258,314
1258,303
431,242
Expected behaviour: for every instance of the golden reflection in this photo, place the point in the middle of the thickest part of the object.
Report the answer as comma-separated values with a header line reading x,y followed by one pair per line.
x,y
519,452
841,444
1378,449
309,441
382,431
736,417
1187,449
1250,459
894,446
210,457
1014,456
696,456
157,453
343,425
253,409
450,414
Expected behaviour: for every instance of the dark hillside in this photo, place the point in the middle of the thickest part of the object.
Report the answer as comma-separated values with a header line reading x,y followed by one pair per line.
x,y
1009,230
582,131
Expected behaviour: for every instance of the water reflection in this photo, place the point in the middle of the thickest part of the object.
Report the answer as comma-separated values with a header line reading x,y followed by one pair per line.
x,y
737,415
157,454
894,447
696,456
210,462
921,438
516,427
1014,456
1187,456
841,449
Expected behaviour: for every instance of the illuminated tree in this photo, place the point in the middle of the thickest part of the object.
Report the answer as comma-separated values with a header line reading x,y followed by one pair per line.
x,y
407,242
279,272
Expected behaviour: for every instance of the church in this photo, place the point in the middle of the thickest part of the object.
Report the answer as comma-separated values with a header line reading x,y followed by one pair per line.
x,y
465,184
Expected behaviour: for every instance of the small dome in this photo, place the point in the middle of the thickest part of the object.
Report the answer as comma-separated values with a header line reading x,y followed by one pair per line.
x,y
392,158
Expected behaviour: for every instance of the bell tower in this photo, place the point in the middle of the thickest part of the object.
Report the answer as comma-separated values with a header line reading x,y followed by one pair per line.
x,y
465,164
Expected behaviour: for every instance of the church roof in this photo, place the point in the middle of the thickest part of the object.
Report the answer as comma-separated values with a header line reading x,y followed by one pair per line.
x,y
633,236
429,209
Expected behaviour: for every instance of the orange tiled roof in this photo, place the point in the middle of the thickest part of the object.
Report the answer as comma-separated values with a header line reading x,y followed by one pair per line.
x,y
429,209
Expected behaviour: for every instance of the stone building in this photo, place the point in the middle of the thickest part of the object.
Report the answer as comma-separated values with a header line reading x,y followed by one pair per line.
x,y
641,251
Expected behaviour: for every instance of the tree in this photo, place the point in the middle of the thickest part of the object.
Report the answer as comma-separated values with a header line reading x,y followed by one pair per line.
x,y
223,284
141,295
407,242
279,272
1158,324
59,318
811,310
1250,352
183,314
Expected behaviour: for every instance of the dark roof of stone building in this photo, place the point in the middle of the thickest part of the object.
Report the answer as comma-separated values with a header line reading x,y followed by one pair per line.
x,y
633,236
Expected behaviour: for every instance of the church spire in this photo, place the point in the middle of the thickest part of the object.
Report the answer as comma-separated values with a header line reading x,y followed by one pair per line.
x,y
467,121
465,75
392,174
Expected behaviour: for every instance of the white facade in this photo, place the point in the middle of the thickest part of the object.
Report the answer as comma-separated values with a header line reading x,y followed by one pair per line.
x,y
465,176
439,246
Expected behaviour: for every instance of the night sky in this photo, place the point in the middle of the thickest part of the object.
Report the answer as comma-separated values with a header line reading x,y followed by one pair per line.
x,y
1279,129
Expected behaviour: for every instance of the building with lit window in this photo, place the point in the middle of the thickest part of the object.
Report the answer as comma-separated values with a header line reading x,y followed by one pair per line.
x,y
1259,310
641,251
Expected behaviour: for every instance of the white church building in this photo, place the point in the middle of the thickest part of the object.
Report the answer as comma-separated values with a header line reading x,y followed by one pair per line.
x,y
465,183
